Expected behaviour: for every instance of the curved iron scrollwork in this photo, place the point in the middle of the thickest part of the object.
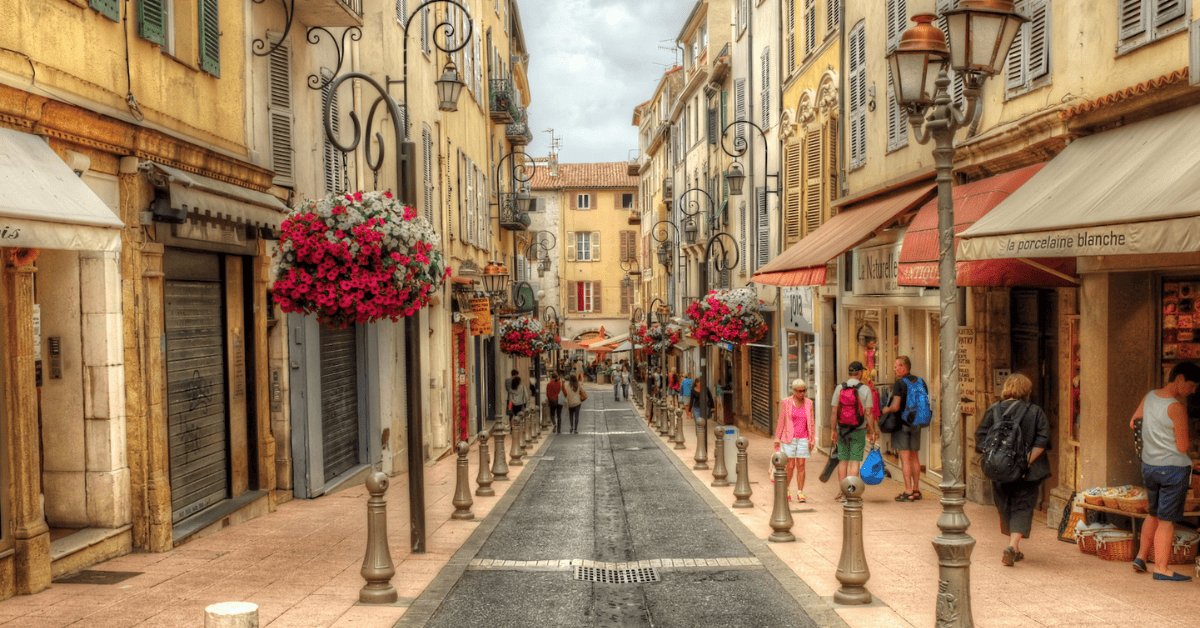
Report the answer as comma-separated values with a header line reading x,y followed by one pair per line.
x,y
520,301
740,143
289,12
721,263
445,30
354,33
358,133
513,216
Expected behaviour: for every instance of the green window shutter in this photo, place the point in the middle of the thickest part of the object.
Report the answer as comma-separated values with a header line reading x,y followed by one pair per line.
x,y
110,9
210,38
152,21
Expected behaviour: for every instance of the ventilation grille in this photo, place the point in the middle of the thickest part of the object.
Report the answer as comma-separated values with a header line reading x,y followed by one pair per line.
x,y
617,576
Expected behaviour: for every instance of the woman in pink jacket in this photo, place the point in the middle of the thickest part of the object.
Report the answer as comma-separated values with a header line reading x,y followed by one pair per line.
x,y
796,428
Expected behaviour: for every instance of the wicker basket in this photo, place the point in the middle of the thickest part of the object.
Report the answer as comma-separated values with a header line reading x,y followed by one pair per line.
x,y
1093,500
1086,539
1192,504
1116,545
1183,548
1076,517
1110,501
1135,505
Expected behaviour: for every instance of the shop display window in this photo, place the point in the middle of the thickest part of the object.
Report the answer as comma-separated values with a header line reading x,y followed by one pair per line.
x,y
1181,335
1073,322
802,358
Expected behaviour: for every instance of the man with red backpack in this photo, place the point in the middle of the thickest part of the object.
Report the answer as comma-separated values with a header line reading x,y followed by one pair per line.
x,y
853,423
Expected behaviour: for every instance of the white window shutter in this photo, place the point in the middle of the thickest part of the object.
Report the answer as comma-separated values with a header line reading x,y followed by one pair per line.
x,y
595,246
425,47
833,15
897,22
897,128
485,218
1132,20
794,190
1039,40
1168,11
858,97
402,12
763,228
427,151
332,156
744,240
766,87
570,246
279,111
739,109
1014,69
472,217
810,27
790,26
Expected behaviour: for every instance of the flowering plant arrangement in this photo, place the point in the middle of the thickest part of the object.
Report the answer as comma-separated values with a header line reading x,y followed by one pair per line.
x,y
524,336
655,338
727,316
357,258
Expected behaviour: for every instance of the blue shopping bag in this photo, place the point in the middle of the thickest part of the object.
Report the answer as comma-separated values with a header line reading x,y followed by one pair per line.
x,y
872,467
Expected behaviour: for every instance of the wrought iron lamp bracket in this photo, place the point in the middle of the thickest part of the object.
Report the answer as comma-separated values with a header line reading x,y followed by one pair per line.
x,y
340,44
289,12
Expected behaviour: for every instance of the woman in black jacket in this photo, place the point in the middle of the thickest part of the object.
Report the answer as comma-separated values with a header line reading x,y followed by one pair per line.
x,y
1015,501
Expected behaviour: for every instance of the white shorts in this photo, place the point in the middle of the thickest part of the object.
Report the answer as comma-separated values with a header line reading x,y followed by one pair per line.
x,y
798,448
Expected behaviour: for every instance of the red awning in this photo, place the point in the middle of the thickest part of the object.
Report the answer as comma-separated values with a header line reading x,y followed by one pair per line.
x,y
804,263
972,201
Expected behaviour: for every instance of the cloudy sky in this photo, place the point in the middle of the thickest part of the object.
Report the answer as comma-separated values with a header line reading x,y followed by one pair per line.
x,y
591,62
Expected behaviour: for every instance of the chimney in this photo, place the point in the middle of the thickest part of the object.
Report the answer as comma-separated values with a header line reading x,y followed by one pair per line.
x,y
553,165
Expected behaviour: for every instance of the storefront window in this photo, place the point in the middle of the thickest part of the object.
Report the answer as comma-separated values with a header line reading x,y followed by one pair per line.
x,y
1181,330
865,346
801,359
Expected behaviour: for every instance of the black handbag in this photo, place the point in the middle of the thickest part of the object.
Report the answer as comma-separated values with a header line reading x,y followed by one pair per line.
x,y
890,423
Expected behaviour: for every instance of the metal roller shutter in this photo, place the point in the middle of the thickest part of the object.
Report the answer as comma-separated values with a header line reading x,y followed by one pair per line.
x,y
339,400
196,415
761,395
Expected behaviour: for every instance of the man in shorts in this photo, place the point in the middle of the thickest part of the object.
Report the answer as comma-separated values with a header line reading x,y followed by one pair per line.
x,y
852,442
907,441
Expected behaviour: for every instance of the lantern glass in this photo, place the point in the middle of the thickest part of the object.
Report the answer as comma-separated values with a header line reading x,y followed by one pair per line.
x,y
981,32
495,279
449,87
736,177
524,201
690,229
917,61
664,254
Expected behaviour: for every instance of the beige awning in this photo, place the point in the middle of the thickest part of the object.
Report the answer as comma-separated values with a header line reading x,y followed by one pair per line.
x,y
44,204
1133,190
609,341
209,198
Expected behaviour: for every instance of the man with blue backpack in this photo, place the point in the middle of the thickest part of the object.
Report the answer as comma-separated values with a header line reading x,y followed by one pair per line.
x,y
910,399
853,423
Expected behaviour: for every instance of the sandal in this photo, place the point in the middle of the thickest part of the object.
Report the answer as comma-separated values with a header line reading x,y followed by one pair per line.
x,y
904,497
915,496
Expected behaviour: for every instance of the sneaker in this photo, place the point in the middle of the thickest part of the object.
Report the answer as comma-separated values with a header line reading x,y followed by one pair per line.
x,y
800,497
1139,565
1174,577
1009,557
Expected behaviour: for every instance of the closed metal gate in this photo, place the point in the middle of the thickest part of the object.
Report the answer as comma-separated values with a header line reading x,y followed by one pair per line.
x,y
196,415
761,395
339,400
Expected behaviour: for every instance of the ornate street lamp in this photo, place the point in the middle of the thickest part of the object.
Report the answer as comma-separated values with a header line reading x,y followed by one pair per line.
x,y
981,32
539,249
495,279
515,204
449,87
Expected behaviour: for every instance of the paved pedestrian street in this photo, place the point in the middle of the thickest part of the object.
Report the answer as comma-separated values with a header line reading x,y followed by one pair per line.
x,y
610,501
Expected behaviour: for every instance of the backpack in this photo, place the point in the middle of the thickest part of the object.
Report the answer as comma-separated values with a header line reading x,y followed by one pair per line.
x,y
1004,457
917,411
850,410
872,470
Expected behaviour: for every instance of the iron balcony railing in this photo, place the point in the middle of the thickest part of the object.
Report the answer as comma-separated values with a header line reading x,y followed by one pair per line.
x,y
502,101
354,5
512,218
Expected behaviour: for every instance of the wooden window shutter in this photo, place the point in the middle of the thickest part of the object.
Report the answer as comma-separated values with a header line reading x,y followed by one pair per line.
x,y
833,15
152,21
332,156
713,132
1166,11
1038,64
858,97
1132,19
592,198
766,87
279,109
744,240
789,22
110,9
957,86
810,27
793,191
574,200
595,246
897,119
625,293
425,31
813,188
210,37
572,295
897,22
830,166
483,207
472,215
597,298
570,246
1014,65
427,150
763,226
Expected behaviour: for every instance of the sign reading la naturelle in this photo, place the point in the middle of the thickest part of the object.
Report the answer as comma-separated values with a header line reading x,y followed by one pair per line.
x,y
876,270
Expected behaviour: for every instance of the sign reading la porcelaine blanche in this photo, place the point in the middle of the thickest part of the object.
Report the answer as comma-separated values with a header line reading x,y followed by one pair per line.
x,y
1161,236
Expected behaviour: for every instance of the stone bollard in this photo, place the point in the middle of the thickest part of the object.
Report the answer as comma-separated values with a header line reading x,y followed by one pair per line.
x,y
781,515
671,425
719,471
515,454
462,488
852,569
377,567
663,425
742,490
231,615
524,429
680,442
701,456
484,478
499,467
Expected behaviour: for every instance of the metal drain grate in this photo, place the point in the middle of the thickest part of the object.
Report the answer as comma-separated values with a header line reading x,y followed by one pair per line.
x,y
617,576
93,576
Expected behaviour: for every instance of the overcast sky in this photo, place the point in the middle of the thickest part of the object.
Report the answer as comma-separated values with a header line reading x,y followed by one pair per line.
x,y
591,62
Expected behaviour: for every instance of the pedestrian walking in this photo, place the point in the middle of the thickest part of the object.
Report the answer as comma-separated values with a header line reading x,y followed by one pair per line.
x,y
797,425
553,392
1166,467
699,388
906,441
852,423
685,392
572,390
616,382
1016,500
625,376
518,395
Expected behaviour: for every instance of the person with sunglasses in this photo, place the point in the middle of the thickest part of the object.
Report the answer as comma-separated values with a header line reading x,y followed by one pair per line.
x,y
796,429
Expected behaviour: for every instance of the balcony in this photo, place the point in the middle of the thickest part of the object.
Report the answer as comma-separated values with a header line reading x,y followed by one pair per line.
x,y
512,218
634,165
518,131
329,12
502,101
635,217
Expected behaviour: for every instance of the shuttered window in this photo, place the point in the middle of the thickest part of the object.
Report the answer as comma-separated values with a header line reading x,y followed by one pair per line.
x,y
857,58
897,119
763,229
425,46
628,244
897,22
279,110
813,188
571,299
152,20
714,133
584,246
831,162
957,86
739,110
1144,21
789,24
766,88
793,191
210,38
1028,62
481,207
427,150
627,296
745,239
402,13
810,27
332,156
468,176
110,9
597,296
833,16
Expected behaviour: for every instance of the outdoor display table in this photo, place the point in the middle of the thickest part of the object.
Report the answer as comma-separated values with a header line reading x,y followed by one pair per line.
x,y
1134,517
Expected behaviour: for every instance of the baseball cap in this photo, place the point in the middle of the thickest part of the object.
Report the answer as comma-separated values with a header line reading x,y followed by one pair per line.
x,y
856,367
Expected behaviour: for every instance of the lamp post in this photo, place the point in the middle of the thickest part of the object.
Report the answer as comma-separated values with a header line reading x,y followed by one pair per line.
x,y
662,312
406,192
635,316
539,249
495,284
551,321
518,296
981,32
515,204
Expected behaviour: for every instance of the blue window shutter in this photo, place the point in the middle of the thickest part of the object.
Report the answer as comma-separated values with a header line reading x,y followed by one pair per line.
x,y
152,21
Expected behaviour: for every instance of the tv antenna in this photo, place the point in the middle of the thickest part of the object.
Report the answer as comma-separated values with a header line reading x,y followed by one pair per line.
x,y
674,50
555,141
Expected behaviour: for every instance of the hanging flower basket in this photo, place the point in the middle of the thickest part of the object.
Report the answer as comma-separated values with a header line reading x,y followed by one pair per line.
x,y
655,338
357,258
731,316
524,336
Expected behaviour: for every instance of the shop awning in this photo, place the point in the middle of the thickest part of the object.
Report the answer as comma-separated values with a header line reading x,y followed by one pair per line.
x,y
972,201
210,198
607,341
1132,190
571,345
44,204
624,346
804,263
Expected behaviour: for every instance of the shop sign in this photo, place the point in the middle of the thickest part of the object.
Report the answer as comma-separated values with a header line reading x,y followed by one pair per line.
x,y
481,325
798,308
966,370
876,269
